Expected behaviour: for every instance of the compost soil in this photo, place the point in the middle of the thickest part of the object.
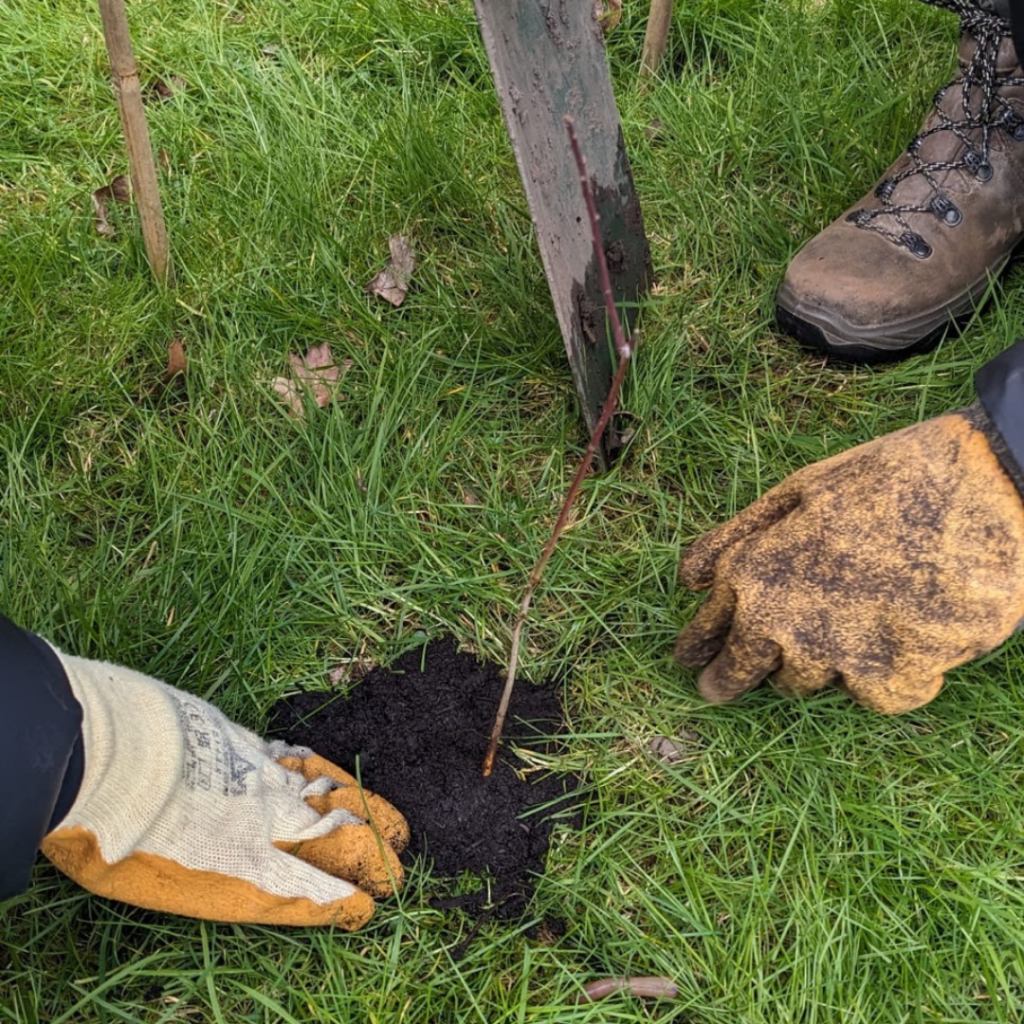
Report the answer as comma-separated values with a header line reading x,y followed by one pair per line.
x,y
416,733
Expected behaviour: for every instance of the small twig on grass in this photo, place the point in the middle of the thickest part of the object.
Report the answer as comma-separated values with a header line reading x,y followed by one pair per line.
x,y
642,988
624,349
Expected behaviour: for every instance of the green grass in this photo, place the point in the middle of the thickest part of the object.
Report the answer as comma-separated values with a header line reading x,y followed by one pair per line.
x,y
811,862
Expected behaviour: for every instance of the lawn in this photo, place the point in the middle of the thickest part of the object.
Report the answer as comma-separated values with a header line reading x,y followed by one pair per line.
x,y
807,862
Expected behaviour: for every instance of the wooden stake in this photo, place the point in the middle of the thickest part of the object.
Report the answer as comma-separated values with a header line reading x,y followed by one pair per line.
x,y
548,60
659,21
136,134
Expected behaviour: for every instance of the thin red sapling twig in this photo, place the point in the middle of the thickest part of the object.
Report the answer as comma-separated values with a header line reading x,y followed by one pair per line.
x,y
624,349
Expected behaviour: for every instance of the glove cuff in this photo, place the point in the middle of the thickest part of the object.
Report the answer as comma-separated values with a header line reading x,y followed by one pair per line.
x,y
979,419
999,411
134,751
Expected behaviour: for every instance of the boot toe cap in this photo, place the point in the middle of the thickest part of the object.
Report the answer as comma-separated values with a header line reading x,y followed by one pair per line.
x,y
855,294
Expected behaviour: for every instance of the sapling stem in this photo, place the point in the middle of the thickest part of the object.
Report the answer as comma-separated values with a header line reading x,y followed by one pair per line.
x,y
624,350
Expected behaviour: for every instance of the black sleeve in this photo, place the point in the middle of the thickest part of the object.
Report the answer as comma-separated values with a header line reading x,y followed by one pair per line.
x,y
1017,27
41,759
1000,386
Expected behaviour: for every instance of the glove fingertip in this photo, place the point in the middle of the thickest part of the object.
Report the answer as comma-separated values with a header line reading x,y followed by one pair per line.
x,y
350,913
694,648
744,662
696,569
703,638
699,562
355,854
714,694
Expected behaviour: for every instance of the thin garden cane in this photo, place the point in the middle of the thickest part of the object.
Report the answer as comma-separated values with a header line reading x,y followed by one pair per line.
x,y
136,135
624,349
659,23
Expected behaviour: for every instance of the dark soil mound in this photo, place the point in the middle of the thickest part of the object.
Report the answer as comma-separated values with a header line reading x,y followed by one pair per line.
x,y
419,732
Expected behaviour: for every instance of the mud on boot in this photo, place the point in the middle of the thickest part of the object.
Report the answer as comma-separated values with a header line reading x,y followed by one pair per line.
x,y
920,251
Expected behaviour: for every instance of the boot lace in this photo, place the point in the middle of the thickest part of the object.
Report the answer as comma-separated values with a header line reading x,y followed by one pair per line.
x,y
980,78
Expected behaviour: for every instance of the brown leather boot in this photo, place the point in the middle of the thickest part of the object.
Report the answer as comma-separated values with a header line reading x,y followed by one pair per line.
x,y
892,274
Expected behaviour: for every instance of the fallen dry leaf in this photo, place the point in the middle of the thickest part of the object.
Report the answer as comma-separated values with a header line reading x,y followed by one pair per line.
x,y
315,374
392,283
164,90
657,131
118,191
350,671
674,749
174,372
608,14
177,363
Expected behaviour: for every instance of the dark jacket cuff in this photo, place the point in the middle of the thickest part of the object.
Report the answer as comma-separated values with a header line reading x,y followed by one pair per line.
x,y
1000,386
1017,27
41,758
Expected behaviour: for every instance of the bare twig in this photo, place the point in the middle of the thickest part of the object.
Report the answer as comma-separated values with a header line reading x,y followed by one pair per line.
x,y
643,988
624,349
136,134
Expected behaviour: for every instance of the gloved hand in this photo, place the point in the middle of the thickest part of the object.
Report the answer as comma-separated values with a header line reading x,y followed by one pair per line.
x,y
181,810
878,569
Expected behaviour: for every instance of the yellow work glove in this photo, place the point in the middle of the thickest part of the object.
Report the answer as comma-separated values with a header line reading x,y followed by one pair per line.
x,y
181,810
879,570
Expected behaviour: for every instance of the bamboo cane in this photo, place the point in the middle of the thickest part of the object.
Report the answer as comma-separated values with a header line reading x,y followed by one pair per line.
x,y
136,134
659,21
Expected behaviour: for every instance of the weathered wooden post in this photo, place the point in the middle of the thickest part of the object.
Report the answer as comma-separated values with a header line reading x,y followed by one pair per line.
x,y
548,62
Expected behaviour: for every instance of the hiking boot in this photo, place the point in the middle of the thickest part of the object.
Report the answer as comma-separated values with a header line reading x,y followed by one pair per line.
x,y
893,273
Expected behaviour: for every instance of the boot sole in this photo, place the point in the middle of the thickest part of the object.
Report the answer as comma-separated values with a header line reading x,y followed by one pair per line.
x,y
815,329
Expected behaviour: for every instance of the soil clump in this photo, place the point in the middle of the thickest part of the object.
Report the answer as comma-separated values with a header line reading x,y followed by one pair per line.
x,y
416,733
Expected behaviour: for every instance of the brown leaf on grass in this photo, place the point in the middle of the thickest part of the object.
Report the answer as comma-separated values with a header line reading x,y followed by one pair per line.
x,y
392,283
315,374
657,131
351,666
164,90
675,749
174,373
608,14
177,363
350,671
118,191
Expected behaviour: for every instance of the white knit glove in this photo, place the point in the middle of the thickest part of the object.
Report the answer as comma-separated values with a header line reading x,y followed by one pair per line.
x,y
181,810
